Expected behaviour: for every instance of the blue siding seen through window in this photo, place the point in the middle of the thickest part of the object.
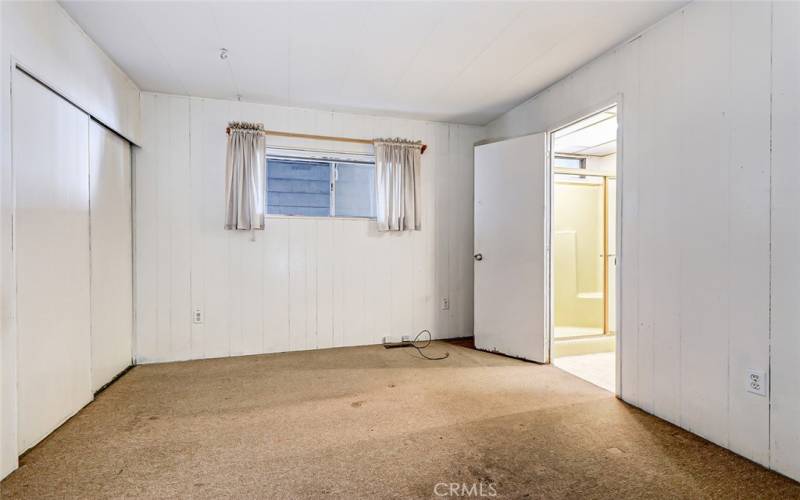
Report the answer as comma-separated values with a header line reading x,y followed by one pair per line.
x,y
296,187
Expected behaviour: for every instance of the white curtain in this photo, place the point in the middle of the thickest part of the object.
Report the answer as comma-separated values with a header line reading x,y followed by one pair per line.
x,y
397,183
244,176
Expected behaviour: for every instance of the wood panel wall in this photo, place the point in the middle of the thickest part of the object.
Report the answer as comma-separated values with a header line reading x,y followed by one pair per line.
x,y
703,95
304,283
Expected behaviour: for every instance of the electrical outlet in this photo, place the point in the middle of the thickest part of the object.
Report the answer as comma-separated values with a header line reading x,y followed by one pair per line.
x,y
197,315
445,304
757,382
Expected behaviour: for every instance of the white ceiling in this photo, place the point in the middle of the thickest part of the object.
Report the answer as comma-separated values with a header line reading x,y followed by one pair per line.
x,y
447,61
595,135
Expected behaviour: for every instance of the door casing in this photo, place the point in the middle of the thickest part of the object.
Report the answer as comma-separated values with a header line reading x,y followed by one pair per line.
x,y
617,101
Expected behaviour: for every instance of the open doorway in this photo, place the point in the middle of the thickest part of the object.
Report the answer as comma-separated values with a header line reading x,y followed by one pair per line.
x,y
583,239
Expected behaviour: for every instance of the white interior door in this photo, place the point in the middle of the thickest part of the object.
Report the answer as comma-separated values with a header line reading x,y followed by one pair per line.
x,y
110,200
51,239
510,260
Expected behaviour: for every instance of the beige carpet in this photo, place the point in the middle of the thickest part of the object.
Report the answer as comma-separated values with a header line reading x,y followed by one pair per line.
x,y
370,423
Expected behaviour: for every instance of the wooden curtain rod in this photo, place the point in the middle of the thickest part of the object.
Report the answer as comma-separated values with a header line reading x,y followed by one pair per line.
x,y
322,137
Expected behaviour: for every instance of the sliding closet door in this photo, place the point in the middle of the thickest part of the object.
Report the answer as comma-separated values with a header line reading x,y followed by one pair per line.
x,y
110,201
51,234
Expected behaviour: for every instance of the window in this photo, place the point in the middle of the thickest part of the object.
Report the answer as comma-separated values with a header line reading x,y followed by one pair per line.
x,y
354,189
569,162
301,185
298,187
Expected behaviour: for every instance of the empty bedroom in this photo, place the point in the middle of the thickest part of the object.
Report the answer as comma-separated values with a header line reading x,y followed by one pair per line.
x,y
529,249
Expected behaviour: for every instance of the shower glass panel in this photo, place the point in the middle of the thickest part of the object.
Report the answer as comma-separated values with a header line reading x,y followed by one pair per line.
x,y
578,255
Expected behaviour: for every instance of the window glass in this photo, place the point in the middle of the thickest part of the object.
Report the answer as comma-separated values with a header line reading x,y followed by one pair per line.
x,y
355,190
298,187
300,184
568,162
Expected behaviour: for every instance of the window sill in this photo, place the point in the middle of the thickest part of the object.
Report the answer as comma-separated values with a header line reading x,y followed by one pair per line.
x,y
318,217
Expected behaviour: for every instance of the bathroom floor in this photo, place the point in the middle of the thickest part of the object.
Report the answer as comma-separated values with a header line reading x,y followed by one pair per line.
x,y
596,368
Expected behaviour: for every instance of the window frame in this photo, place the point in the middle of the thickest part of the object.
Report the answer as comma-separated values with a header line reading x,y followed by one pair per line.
x,y
582,160
333,159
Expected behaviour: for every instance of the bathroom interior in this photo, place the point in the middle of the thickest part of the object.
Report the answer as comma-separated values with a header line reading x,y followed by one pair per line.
x,y
584,168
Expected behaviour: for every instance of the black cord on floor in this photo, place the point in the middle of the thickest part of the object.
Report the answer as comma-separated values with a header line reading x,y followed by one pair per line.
x,y
427,343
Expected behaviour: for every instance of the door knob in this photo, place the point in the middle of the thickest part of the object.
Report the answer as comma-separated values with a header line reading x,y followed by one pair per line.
x,y
478,256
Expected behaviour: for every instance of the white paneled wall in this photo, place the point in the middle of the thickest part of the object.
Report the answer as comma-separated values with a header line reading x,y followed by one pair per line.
x,y
785,331
695,184
304,283
48,43
8,458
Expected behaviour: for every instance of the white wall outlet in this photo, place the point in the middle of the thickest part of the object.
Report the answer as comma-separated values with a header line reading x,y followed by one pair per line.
x,y
445,303
197,315
757,382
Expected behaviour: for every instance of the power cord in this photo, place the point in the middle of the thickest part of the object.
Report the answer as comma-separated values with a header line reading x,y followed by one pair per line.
x,y
427,343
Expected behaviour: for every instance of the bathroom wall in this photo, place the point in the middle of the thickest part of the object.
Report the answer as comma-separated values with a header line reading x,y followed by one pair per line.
x,y
577,249
606,164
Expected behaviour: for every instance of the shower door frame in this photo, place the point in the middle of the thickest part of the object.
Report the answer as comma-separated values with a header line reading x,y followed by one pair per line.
x,y
605,255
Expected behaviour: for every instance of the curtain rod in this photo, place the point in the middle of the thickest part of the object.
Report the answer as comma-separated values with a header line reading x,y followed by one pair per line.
x,y
322,137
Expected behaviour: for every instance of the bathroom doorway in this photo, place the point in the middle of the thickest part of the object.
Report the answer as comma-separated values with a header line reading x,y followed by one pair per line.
x,y
583,238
